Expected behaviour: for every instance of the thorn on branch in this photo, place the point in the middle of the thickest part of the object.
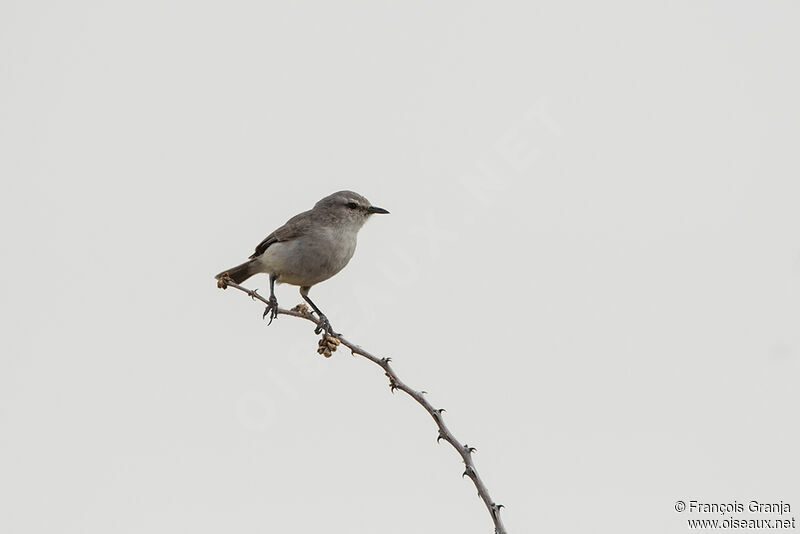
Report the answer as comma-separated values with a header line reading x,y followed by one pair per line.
x,y
441,436
468,472
392,384
423,392
385,361
441,411
469,449
496,510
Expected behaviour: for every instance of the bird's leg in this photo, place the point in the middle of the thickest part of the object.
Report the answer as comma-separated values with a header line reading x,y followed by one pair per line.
x,y
324,325
272,307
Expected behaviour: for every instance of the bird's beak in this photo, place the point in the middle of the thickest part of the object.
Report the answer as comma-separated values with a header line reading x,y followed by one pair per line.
x,y
376,209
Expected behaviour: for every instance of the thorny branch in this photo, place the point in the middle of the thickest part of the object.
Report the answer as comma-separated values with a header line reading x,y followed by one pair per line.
x,y
328,344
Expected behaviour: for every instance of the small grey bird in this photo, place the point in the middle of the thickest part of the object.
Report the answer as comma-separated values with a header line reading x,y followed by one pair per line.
x,y
310,248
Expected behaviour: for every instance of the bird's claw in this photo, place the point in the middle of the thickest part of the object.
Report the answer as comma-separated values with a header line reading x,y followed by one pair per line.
x,y
325,326
271,309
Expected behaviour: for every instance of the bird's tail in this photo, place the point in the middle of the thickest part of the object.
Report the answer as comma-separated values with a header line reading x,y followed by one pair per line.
x,y
242,272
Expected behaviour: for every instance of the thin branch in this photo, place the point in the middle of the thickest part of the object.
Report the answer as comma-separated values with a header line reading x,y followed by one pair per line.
x,y
464,450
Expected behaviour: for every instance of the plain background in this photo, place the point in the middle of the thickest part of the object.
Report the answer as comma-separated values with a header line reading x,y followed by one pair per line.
x,y
592,262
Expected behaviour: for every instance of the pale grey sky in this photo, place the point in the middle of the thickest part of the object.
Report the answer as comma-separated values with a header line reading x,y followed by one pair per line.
x,y
592,262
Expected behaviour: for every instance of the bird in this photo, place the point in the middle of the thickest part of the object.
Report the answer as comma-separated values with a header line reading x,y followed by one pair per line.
x,y
310,248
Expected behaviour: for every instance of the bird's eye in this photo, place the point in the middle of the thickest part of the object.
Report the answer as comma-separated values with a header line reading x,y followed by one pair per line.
x,y
352,205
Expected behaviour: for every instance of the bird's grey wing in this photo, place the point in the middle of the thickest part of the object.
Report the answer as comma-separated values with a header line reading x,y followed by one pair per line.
x,y
294,227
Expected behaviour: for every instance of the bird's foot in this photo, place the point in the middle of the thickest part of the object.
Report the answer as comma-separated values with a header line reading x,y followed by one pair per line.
x,y
271,309
325,326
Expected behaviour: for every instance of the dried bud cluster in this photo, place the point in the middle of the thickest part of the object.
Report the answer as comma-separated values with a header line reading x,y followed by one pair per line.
x,y
327,345
222,281
301,308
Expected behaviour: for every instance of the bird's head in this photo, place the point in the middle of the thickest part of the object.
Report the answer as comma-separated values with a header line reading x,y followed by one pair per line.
x,y
348,206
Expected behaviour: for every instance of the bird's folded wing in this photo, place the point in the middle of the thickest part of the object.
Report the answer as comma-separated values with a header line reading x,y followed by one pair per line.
x,y
294,228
